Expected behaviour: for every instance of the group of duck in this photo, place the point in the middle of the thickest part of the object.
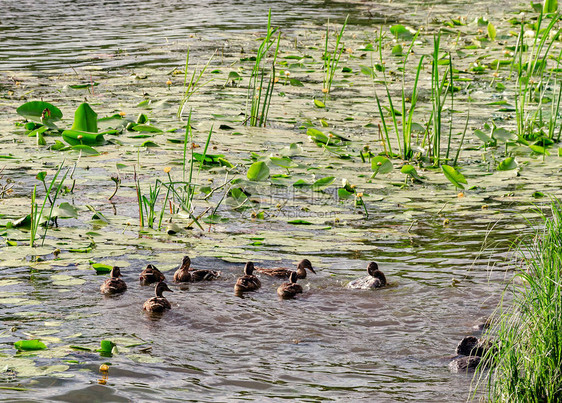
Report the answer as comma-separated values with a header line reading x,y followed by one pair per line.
x,y
246,283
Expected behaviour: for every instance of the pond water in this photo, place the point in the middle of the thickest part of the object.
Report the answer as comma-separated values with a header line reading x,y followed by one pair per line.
x,y
445,254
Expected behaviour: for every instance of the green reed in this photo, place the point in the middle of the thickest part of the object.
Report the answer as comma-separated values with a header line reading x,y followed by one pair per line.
x,y
36,214
404,134
331,60
193,85
529,64
526,363
258,99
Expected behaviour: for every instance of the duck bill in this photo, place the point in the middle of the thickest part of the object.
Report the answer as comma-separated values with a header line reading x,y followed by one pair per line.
x,y
311,269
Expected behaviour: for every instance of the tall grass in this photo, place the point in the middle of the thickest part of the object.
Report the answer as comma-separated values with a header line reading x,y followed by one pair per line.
x,y
526,364
193,85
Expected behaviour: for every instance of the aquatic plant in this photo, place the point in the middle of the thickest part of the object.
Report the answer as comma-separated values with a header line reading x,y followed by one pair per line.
x,y
525,363
193,85
332,59
36,214
403,137
258,99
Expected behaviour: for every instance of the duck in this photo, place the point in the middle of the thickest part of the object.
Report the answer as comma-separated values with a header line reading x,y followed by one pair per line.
x,y
285,273
158,303
113,285
151,275
470,352
375,279
185,274
248,282
291,288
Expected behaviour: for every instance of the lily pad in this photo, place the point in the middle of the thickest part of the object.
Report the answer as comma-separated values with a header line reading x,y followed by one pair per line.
x,y
454,176
29,345
258,171
41,112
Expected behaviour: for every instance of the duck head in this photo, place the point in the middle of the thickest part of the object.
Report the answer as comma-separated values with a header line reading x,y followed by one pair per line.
x,y
373,267
115,272
293,277
185,263
160,288
305,264
249,268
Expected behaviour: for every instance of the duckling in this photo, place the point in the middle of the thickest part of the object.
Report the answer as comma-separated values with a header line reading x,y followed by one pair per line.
x,y
285,273
113,285
248,282
185,274
470,351
375,279
151,275
158,303
290,289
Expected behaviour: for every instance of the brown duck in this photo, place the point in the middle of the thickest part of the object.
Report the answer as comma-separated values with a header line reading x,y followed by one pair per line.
x,y
113,285
375,279
285,273
248,282
290,289
158,303
151,275
185,274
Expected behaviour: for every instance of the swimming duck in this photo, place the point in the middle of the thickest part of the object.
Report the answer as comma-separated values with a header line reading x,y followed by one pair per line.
x,y
158,303
470,351
248,282
375,279
285,273
185,274
151,275
290,289
113,285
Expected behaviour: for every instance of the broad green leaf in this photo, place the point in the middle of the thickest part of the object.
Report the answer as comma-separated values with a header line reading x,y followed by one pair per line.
x,y
319,104
101,268
550,6
83,86
482,136
29,345
283,162
381,165
258,171
146,128
503,135
322,182
539,149
41,112
65,210
507,164
400,31
85,119
454,176
317,135
106,347
301,183
296,83
299,222
491,31
410,171
85,150
76,137
41,176
344,194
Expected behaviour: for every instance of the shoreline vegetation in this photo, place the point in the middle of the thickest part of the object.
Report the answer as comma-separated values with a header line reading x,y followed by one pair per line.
x,y
526,360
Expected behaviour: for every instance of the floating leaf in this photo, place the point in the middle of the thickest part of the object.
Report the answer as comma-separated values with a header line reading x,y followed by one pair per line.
x,y
84,149
482,136
83,86
319,104
146,128
301,183
29,345
507,164
454,176
106,348
283,162
299,222
322,182
296,83
41,112
76,137
258,171
410,171
65,210
101,268
400,31
381,165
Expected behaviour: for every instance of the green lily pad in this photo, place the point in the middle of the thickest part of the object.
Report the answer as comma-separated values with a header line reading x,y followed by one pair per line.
x,y
454,176
258,171
41,112
29,345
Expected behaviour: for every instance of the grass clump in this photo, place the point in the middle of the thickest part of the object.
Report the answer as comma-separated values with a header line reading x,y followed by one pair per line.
x,y
526,364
